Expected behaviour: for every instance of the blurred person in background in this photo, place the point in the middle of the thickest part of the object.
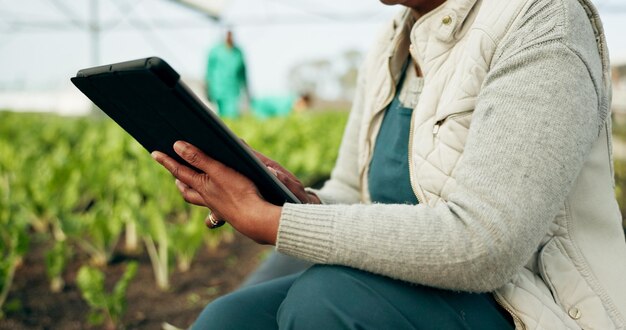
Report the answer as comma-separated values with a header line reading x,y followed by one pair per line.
x,y
226,77
473,187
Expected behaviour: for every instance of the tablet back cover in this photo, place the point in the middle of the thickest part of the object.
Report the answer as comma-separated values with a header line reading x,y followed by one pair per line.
x,y
148,100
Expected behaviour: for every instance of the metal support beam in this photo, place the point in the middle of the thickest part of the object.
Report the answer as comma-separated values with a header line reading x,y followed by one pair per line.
x,y
94,31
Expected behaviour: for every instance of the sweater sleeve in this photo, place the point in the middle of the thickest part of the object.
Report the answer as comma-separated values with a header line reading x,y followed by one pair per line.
x,y
532,129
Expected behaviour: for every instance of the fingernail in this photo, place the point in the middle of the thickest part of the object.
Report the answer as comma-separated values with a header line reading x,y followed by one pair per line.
x,y
154,155
273,171
179,146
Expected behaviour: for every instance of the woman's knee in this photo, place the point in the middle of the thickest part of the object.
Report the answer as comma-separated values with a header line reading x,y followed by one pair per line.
x,y
219,314
322,297
321,281
253,307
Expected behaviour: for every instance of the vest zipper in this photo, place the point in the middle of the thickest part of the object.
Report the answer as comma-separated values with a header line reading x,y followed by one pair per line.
x,y
370,145
454,115
411,176
516,319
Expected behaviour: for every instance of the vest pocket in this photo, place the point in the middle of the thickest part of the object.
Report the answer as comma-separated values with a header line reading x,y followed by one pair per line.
x,y
454,108
462,118
570,289
450,133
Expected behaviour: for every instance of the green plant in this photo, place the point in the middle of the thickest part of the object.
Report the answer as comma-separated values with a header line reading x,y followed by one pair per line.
x,y
56,261
187,234
108,308
13,238
97,233
157,243
304,143
84,183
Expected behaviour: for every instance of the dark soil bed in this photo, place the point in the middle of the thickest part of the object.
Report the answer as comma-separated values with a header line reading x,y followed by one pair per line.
x,y
213,273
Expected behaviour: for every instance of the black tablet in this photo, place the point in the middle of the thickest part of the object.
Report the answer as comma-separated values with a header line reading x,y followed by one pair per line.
x,y
147,99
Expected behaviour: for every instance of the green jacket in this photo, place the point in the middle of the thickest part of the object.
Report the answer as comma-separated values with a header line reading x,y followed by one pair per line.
x,y
226,72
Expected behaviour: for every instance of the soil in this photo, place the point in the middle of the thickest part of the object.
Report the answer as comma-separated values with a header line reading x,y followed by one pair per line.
x,y
212,274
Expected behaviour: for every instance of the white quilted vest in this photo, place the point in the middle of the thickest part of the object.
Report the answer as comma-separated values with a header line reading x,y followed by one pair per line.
x,y
451,44
454,46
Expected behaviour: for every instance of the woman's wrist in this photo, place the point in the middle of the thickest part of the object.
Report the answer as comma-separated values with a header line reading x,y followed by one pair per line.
x,y
270,223
259,223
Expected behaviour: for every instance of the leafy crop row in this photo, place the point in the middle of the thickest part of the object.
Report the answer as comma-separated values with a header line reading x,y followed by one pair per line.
x,y
84,184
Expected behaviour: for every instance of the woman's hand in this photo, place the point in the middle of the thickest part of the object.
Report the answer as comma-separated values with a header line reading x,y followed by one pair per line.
x,y
231,196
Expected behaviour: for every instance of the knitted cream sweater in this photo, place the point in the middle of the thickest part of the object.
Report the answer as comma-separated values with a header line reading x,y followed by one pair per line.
x,y
533,126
